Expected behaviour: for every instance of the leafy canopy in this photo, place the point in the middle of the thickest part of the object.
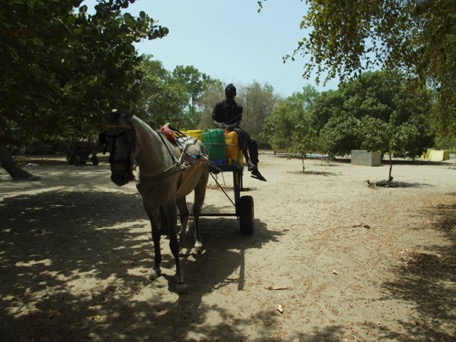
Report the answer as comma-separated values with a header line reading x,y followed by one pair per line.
x,y
61,65
344,38
378,111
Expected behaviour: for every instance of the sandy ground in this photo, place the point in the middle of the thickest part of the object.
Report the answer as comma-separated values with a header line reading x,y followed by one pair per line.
x,y
331,259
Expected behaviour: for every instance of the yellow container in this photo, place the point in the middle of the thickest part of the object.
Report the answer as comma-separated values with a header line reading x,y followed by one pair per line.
x,y
195,133
232,150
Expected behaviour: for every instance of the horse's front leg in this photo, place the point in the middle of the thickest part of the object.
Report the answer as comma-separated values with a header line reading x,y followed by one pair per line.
x,y
152,209
171,217
154,217
198,243
183,215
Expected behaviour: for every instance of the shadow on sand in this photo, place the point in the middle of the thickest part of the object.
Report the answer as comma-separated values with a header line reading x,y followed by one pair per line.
x,y
66,272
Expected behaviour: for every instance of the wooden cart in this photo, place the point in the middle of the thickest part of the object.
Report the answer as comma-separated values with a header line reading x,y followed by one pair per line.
x,y
79,152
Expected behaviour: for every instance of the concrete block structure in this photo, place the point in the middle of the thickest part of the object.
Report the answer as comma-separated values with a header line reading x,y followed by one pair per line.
x,y
366,158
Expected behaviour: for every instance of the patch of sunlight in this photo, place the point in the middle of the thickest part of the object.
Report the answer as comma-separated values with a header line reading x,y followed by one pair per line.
x,y
31,263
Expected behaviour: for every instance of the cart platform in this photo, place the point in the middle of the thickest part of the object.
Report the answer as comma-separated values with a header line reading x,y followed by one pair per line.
x,y
243,205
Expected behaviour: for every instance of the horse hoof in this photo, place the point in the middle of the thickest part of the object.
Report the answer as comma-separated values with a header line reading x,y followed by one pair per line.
x,y
154,274
198,247
182,288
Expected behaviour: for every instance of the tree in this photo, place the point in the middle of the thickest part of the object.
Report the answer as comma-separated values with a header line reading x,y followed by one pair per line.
x,y
193,83
380,111
304,136
161,99
278,128
175,97
258,101
289,126
345,38
387,137
59,67
338,136
213,88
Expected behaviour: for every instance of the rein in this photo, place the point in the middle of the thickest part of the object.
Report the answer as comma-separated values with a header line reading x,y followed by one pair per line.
x,y
175,168
172,170
167,147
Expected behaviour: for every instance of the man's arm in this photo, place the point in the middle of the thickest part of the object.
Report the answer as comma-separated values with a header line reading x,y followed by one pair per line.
x,y
236,121
219,124
216,113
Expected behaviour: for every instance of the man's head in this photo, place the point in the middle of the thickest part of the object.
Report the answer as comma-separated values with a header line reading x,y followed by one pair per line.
x,y
230,92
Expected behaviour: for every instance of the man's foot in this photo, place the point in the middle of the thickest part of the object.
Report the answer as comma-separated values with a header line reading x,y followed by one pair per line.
x,y
257,175
251,166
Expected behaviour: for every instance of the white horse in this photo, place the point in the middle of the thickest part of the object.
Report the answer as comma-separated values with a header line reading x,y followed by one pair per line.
x,y
166,175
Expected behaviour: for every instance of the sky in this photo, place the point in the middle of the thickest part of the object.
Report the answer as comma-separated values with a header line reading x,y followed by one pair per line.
x,y
229,40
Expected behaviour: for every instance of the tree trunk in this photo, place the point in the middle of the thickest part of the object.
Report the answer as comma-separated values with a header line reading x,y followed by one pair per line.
x,y
390,179
15,171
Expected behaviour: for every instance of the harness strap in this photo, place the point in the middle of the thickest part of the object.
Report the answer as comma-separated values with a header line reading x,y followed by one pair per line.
x,y
172,170
183,182
167,147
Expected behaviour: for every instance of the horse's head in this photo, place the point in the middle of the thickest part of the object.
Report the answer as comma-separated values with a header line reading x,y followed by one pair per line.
x,y
120,138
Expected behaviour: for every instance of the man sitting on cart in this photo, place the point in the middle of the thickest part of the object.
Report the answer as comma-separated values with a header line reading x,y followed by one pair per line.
x,y
227,114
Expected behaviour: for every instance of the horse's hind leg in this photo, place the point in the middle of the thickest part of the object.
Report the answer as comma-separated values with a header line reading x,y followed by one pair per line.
x,y
200,193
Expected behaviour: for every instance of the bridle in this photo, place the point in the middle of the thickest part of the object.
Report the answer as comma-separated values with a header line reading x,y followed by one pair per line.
x,y
177,167
131,136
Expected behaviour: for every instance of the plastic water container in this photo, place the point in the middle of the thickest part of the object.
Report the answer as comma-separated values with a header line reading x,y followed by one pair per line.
x,y
232,149
214,139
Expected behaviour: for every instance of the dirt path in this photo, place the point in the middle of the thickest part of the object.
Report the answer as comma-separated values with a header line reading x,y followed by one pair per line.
x,y
331,259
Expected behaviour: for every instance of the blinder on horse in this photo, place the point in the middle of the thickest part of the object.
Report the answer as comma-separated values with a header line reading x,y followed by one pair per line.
x,y
120,140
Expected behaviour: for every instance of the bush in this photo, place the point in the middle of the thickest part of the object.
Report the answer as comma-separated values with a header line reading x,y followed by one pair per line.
x,y
38,147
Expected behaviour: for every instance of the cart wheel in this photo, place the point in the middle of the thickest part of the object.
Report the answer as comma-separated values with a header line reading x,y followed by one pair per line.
x,y
246,214
77,161
95,160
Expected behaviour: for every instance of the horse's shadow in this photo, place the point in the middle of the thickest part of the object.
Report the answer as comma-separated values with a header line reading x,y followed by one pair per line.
x,y
223,266
54,240
223,260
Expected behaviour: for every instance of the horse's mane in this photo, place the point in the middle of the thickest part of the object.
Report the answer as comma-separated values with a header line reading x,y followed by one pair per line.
x,y
140,126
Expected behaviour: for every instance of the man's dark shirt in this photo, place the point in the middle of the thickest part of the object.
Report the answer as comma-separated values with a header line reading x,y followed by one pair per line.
x,y
228,114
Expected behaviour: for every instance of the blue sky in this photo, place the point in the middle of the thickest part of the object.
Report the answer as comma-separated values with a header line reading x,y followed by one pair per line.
x,y
230,40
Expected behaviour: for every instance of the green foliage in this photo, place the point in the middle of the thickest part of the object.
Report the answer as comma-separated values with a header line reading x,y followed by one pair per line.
x,y
40,147
62,65
258,102
160,98
213,90
171,97
378,111
345,38
289,127
339,136
278,128
193,83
